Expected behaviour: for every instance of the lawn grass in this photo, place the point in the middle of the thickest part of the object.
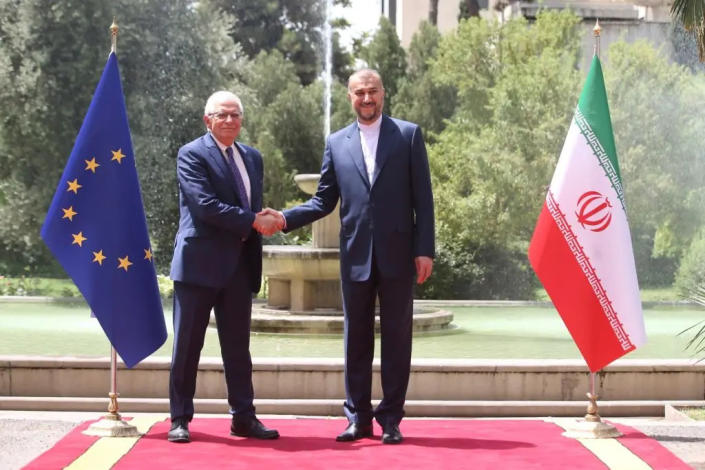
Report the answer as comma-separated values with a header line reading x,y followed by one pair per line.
x,y
51,329
50,287
694,413
651,294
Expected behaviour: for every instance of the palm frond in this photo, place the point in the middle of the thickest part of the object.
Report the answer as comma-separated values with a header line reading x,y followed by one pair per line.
x,y
688,12
697,342
691,14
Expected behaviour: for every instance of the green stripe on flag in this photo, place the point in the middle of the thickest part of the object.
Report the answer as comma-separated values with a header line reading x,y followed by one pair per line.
x,y
596,115
593,105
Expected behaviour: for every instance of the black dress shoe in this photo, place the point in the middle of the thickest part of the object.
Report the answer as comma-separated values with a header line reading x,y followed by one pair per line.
x,y
355,431
179,431
391,434
252,427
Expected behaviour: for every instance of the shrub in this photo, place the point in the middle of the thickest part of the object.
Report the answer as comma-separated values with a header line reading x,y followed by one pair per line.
x,y
691,272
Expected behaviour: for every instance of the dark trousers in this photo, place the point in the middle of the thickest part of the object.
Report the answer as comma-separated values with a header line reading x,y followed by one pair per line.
x,y
396,305
233,308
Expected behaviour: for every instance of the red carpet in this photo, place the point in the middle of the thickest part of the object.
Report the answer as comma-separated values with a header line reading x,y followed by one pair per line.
x,y
309,444
656,456
65,451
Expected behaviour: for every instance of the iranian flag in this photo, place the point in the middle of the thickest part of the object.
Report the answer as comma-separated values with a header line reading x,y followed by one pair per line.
x,y
581,249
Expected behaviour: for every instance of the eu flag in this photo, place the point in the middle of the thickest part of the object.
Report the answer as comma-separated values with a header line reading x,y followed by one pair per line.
x,y
97,230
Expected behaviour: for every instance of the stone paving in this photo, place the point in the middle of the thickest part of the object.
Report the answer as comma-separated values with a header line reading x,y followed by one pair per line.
x,y
686,439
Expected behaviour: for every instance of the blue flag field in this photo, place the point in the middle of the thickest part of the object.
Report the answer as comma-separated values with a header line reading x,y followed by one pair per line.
x,y
96,227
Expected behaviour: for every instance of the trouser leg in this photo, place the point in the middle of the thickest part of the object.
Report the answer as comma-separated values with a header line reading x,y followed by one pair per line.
x,y
359,322
396,321
233,314
192,307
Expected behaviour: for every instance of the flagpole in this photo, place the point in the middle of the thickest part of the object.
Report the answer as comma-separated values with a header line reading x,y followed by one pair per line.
x,y
113,407
112,424
113,36
592,426
596,32
592,414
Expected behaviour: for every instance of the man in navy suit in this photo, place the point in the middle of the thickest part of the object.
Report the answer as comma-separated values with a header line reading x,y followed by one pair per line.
x,y
378,168
217,264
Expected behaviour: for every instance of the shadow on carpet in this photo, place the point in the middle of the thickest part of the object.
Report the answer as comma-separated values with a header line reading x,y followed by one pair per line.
x,y
309,444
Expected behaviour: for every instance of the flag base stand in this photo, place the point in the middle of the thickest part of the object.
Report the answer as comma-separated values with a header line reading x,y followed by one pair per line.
x,y
591,427
583,429
112,424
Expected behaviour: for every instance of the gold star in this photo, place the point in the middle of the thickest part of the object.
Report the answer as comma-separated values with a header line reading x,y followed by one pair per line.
x,y
91,164
117,155
69,213
99,257
124,263
148,254
78,239
73,186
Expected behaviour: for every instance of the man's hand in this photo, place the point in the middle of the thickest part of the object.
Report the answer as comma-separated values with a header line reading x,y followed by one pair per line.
x,y
424,266
268,222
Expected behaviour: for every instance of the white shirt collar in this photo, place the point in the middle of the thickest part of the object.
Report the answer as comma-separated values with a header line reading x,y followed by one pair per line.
x,y
222,146
368,128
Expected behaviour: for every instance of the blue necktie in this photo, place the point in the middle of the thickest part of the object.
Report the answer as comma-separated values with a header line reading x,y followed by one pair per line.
x,y
239,185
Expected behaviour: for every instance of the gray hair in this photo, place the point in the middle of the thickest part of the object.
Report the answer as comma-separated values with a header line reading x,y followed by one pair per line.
x,y
221,95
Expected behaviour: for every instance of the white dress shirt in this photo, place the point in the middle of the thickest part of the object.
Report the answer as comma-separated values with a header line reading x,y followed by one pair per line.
x,y
369,136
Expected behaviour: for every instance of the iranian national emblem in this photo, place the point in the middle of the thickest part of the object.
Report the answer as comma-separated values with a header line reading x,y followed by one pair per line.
x,y
594,211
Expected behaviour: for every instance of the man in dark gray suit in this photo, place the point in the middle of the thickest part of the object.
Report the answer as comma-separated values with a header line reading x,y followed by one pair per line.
x,y
217,264
378,168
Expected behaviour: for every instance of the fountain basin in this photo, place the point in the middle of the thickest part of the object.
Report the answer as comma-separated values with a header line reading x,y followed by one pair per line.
x,y
302,278
300,261
303,283
269,320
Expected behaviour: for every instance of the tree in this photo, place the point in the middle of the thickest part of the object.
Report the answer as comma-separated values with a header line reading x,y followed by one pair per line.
x,y
44,94
385,54
657,118
420,99
684,48
691,272
691,14
285,121
167,77
293,27
517,86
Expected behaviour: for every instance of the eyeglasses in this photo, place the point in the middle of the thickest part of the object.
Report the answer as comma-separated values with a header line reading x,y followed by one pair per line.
x,y
224,116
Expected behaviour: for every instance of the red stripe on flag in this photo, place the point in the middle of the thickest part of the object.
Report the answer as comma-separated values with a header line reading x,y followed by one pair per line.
x,y
571,293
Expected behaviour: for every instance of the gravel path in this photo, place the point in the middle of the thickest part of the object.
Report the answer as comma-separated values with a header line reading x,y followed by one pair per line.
x,y
23,439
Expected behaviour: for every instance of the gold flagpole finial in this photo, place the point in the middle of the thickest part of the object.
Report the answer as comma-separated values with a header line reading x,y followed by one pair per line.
x,y
596,32
113,34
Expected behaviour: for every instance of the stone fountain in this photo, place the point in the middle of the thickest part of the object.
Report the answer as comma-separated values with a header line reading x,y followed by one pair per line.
x,y
305,278
303,283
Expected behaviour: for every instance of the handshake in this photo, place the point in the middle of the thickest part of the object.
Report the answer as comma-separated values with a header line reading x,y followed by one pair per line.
x,y
268,222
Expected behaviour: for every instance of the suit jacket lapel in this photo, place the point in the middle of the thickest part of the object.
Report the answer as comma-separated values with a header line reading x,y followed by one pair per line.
x,y
218,159
355,150
383,146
